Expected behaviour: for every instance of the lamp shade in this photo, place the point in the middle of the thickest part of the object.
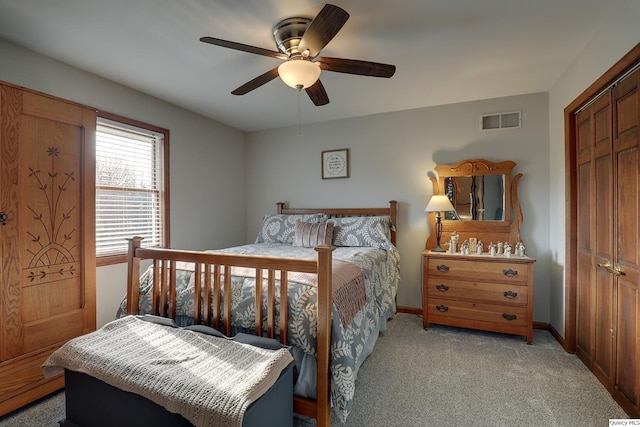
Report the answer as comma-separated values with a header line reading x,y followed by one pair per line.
x,y
299,73
439,204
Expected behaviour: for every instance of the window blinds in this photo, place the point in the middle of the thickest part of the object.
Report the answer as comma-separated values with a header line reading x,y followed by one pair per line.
x,y
128,187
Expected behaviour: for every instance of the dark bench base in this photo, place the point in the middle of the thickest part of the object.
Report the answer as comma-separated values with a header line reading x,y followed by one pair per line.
x,y
94,403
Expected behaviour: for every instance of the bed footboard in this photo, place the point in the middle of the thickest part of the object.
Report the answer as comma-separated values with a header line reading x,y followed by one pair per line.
x,y
213,285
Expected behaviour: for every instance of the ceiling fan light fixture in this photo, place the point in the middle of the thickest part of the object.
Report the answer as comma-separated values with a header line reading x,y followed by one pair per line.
x,y
299,73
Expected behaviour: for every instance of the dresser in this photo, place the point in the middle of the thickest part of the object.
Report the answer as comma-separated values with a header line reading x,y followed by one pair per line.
x,y
491,293
477,291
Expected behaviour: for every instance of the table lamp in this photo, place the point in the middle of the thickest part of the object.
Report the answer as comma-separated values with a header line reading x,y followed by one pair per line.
x,y
439,204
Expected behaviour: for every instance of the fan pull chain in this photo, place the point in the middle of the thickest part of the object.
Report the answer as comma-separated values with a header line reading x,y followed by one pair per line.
x,y
299,112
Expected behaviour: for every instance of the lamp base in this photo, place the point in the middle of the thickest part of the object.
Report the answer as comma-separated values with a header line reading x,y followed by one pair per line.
x,y
438,249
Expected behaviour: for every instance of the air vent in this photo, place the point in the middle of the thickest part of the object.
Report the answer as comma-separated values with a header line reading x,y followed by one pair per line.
x,y
496,121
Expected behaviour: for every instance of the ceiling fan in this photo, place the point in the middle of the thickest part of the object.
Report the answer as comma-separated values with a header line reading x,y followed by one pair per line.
x,y
300,41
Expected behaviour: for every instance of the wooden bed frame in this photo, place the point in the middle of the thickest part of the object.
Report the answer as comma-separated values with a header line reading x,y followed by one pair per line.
x,y
216,265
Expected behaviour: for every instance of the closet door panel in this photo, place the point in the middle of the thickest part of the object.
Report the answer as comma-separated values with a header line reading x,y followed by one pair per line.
x,y
627,260
603,208
603,324
603,244
585,288
603,302
627,202
584,312
627,359
626,147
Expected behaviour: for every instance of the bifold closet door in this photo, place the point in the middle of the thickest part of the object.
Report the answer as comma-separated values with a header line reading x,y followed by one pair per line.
x,y
595,291
608,241
626,220
47,236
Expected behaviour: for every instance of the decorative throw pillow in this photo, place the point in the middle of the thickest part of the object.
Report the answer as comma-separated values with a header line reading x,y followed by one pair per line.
x,y
310,235
282,228
372,231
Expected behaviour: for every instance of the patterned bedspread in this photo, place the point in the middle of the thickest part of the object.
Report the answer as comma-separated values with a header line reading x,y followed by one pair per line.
x,y
349,344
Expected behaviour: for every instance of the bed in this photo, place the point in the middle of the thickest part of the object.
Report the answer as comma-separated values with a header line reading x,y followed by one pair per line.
x,y
338,267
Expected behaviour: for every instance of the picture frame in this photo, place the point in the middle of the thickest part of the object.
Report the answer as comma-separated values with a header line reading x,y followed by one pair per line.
x,y
335,164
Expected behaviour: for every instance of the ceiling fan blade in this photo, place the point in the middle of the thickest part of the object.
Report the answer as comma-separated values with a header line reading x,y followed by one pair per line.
x,y
243,47
354,66
257,82
322,29
317,94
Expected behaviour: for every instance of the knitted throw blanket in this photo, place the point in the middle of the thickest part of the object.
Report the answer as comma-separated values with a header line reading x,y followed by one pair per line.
x,y
348,287
208,380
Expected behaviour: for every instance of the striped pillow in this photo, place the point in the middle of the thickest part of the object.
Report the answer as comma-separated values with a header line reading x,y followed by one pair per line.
x,y
282,228
310,235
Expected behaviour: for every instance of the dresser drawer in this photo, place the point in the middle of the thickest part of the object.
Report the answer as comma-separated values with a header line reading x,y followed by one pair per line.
x,y
485,270
516,316
444,287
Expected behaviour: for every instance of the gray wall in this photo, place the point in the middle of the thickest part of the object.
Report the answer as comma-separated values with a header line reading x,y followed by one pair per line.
x,y
207,158
391,157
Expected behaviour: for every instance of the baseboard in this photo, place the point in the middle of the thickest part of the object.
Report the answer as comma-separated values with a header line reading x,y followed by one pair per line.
x,y
541,325
409,310
418,311
559,338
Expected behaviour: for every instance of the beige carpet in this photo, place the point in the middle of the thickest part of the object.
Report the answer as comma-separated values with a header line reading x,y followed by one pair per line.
x,y
450,377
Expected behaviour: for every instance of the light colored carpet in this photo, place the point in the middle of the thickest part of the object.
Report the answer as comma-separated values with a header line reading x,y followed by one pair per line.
x,y
448,376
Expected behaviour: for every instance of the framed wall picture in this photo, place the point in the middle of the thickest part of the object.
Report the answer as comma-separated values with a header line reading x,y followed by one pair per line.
x,y
335,164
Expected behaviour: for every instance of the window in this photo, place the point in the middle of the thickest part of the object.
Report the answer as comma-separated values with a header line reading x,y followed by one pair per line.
x,y
132,186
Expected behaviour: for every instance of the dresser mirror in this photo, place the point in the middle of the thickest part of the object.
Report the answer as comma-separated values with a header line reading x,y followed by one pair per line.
x,y
476,197
485,199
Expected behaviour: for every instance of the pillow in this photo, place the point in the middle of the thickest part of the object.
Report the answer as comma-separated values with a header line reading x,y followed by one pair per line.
x,y
208,330
258,341
372,231
282,228
159,320
310,235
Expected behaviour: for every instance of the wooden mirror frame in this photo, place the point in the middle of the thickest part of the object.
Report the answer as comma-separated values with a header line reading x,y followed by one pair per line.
x,y
487,231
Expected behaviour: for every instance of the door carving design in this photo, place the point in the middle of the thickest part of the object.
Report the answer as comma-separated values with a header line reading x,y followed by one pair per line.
x,y
54,226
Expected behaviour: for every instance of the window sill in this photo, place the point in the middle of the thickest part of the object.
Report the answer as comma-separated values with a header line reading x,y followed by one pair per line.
x,y
111,260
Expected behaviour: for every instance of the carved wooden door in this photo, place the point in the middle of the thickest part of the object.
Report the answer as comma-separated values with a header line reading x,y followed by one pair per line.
x,y
47,248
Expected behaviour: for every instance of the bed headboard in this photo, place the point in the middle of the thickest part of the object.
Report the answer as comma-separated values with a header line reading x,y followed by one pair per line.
x,y
390,210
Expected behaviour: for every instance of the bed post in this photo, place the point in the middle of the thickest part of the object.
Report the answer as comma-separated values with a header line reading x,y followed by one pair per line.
x,y
323,403
133,275
393,214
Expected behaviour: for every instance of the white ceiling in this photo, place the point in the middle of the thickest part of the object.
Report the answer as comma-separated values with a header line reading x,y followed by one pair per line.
x,y
445,51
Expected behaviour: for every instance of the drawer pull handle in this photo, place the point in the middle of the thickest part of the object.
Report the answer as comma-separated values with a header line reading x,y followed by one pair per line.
x,y
442,268
442,308
510,294
510,273
509,316
442,288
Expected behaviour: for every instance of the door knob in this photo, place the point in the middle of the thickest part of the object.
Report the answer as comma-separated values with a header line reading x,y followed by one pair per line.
x,y
3,218
617,271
